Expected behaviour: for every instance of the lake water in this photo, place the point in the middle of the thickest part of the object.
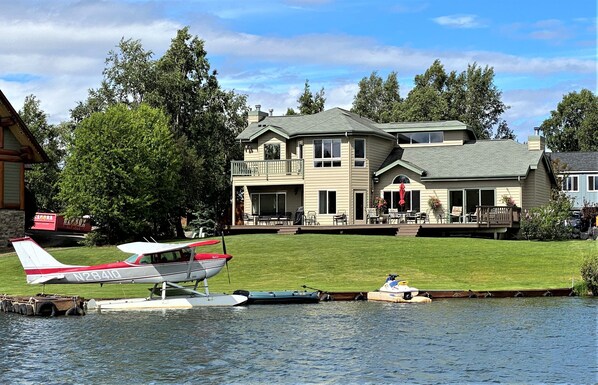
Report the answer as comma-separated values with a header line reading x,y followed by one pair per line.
x,y
458,341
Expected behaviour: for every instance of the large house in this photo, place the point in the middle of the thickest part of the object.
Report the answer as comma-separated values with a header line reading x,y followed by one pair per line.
x,y
336,162
18,149
579,175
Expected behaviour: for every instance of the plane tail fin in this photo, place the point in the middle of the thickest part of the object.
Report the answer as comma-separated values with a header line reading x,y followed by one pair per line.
x,y
34,259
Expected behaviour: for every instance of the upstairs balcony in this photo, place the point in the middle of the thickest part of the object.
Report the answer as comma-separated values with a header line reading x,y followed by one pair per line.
x,y
284,170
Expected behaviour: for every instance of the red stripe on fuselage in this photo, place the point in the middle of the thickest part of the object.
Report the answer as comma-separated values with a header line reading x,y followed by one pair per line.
x,y
204,256
55,270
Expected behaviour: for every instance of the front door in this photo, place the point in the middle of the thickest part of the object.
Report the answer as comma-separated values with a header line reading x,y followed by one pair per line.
x,y
359,214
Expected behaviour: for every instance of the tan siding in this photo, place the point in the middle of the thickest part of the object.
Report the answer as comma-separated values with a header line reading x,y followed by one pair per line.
x,y
326,178
441,189
255,151
455,137
536,188
251,152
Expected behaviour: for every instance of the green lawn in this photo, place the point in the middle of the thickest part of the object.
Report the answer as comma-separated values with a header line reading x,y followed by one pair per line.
x,y
347,263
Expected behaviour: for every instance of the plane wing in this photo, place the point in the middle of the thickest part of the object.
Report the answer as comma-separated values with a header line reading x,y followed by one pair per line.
x,y
150,248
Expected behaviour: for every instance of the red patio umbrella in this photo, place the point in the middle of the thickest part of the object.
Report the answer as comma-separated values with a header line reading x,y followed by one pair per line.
x,y
402,194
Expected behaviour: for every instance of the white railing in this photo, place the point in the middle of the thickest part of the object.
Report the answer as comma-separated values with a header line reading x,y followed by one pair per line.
x,y
267,168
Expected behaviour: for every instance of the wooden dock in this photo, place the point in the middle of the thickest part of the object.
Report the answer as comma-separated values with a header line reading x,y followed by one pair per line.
x,y
42,305
456,294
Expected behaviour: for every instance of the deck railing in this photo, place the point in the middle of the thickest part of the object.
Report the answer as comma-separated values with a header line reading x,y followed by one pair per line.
x,y
267,168
497,215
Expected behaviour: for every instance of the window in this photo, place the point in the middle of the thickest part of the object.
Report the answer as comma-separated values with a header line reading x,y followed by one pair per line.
x,y
571,183
271,151
327,202
592,182
420,137
401,179
392,199
327,153
359,152
268,203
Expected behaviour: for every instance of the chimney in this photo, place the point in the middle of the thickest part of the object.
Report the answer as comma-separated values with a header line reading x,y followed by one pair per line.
x,y
257,115
536,142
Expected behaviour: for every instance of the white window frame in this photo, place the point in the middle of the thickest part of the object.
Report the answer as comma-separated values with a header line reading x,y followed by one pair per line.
x,y
360,162
568,182
322,160
430,135
327,203
593,186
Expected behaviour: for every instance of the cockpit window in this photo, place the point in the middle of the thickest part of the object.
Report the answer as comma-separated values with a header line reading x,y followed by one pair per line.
x,y
145,259
132,258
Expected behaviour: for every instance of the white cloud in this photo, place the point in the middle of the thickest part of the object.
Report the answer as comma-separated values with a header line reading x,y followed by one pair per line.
x,y
459,21
60,48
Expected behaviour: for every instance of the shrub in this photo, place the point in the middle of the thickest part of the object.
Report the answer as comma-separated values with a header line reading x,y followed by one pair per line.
x,y
589,273
548,222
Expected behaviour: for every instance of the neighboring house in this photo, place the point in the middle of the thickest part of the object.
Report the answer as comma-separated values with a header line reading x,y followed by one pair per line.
x,y
18,149
579,175
338,162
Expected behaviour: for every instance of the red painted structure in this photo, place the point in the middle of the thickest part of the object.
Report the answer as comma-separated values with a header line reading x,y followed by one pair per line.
x,y
57,222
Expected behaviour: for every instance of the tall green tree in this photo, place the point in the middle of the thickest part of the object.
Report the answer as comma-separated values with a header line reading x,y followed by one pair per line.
x,y
377,99
573,126
128,76
310,103
503,131
123,169
470,97
42,179
203,118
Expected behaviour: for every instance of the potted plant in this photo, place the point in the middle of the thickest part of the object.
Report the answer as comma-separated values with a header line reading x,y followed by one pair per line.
x,y
510,202
436,207
435,204
380,205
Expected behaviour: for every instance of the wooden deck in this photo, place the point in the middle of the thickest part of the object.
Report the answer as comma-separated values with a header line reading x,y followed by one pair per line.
x,y
400,230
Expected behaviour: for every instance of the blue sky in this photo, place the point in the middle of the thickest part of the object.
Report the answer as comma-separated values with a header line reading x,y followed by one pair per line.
x,y
266,49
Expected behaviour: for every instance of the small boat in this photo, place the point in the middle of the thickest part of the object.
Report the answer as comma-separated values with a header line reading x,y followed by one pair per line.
x,y
394,290
279,297
392,297
174,302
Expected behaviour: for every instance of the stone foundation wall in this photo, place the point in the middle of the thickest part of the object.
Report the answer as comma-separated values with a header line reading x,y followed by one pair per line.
x,y
12,225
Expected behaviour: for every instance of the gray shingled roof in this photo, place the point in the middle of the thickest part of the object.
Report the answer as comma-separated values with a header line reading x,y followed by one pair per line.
x,y
473,160
577,161
335,121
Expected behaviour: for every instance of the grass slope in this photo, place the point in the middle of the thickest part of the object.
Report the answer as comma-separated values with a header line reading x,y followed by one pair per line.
x,y
347,263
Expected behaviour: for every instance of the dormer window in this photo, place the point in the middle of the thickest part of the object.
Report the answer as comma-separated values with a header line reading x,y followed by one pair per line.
x,y
420,137
401,179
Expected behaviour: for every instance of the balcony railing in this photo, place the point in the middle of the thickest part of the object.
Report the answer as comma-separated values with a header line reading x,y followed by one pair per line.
x,y
267,168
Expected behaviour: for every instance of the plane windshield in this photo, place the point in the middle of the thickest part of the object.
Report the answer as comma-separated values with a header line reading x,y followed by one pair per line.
x,y
132,258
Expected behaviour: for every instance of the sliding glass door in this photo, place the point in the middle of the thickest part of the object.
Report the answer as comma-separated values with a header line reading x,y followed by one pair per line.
x,y
467,200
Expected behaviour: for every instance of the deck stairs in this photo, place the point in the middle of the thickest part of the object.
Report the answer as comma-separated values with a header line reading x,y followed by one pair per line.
x,y
288,230
408,230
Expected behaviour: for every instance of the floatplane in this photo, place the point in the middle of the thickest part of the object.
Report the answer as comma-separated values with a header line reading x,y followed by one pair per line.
x,y
164,264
